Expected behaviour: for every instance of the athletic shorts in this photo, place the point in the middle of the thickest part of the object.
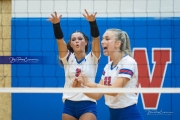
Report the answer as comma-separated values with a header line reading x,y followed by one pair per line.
x,y
128,113
78,108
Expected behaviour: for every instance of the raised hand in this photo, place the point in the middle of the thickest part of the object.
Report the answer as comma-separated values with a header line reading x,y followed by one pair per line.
x,y
89,17
54,19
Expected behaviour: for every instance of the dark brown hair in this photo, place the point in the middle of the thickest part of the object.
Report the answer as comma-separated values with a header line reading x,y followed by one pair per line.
x,y
85,37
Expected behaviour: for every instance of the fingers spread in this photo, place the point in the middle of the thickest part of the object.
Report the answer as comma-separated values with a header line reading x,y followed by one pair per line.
x,y
60,16
55,14
84,16
49,19
52,15
95,14
86,12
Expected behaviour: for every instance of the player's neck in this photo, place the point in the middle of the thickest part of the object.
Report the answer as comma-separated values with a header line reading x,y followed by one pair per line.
x,y
116,58
79,55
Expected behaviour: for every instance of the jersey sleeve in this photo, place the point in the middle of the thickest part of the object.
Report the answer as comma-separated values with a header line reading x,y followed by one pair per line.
x,y
128,69
104,71
63,61
103,74
94,58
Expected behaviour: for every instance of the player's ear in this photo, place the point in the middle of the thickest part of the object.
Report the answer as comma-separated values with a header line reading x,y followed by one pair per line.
x,y
86,42
70,44
118,43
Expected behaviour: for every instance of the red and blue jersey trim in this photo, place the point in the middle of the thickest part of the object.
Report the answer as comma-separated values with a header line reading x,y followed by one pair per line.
x,y
68,56
103,73
126,71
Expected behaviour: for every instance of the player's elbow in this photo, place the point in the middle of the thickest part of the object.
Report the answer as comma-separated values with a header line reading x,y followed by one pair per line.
x,y
97,97
112,94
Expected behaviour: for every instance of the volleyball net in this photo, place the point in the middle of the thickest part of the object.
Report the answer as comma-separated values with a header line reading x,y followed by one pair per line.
x,y
151,25
29,58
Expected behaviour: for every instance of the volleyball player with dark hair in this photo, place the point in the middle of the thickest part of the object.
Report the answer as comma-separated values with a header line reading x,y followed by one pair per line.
x,y
121,72
76,60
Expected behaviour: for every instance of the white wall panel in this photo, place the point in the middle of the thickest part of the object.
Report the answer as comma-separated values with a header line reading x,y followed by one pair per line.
x,y
105,8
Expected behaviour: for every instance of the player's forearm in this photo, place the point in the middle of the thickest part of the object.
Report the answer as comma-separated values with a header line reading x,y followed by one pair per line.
x,y
111,94
96,40
62,48
94,85
108,87
96,47
95,96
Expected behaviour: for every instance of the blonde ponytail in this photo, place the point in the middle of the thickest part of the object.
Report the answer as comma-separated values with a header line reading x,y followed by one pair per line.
x,y
124,38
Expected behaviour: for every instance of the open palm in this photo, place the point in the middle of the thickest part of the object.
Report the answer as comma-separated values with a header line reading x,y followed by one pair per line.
x,y
55,19
89,17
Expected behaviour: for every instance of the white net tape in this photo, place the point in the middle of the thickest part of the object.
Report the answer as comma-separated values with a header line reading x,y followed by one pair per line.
x,y
89,90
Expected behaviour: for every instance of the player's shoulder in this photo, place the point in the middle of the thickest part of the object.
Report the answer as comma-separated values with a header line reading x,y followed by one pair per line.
x,y
129,59
108,65
88,55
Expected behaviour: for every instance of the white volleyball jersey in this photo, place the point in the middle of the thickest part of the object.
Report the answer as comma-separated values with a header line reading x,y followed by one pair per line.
x,y
127,67
73,68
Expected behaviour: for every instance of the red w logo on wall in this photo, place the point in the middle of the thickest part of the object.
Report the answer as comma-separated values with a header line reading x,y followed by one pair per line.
x,y
160,59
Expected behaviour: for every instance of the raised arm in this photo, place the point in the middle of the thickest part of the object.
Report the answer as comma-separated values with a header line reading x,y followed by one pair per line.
x,y
94,32
62,48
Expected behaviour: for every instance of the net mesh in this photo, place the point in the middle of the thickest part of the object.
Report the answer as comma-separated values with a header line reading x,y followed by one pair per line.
x,y
152,25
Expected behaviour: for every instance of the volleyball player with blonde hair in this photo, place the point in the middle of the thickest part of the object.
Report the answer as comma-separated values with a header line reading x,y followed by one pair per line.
x,y
121,72
75,60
